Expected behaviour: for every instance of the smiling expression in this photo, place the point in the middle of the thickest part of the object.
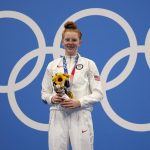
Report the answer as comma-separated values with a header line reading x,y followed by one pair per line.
x,y
71,42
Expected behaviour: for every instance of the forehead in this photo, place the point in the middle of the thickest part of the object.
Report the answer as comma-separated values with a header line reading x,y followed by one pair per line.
x,y
71,34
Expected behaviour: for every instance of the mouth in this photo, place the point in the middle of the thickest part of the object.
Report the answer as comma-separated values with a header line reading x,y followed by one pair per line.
x,y
71,47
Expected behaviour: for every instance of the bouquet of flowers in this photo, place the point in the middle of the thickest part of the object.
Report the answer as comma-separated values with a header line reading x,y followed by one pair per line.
x,y
61,85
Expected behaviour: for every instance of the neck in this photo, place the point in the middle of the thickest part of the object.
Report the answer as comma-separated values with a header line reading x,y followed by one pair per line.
x,y
74,54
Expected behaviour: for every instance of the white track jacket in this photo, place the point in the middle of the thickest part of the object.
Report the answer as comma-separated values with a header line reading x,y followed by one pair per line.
x,y
86,86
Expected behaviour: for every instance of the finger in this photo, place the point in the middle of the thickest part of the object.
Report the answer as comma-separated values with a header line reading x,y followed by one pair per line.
x,y
67,105
58,97
70,107
67,101
58,100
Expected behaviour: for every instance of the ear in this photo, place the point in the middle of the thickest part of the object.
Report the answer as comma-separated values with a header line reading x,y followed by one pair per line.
x,y
80,42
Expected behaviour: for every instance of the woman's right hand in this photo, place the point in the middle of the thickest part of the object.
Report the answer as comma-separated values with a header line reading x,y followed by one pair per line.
x,y
57,99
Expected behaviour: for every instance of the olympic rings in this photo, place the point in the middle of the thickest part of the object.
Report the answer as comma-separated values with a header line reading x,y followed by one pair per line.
x,y
147,48
40,38
12,87
131,51
106,106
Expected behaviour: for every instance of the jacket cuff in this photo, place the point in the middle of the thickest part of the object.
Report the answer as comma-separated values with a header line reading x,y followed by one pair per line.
x,y
48,100
83,103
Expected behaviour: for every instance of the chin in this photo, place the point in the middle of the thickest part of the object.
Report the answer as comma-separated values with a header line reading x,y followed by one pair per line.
x,y
71,52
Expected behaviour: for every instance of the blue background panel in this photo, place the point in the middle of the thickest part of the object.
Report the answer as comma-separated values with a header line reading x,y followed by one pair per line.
x,y
103,39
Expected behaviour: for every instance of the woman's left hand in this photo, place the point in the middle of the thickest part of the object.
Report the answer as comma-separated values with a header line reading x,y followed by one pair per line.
x,y
70,103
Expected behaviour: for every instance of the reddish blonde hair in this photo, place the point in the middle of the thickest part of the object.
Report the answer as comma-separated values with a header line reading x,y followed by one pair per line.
x,y
70,26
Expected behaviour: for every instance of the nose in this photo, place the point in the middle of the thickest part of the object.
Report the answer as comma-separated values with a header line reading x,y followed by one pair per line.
x,y
70,42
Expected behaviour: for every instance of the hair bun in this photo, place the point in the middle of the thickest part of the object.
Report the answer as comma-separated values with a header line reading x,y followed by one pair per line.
x,y
70,25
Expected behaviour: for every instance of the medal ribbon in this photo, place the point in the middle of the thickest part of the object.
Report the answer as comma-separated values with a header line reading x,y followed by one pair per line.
x,y
73,70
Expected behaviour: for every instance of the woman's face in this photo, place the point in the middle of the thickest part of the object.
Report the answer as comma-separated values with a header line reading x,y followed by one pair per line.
x,y
71,42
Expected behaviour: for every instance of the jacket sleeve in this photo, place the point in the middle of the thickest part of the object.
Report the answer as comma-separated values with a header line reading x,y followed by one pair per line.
x,y
94,85
47,87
